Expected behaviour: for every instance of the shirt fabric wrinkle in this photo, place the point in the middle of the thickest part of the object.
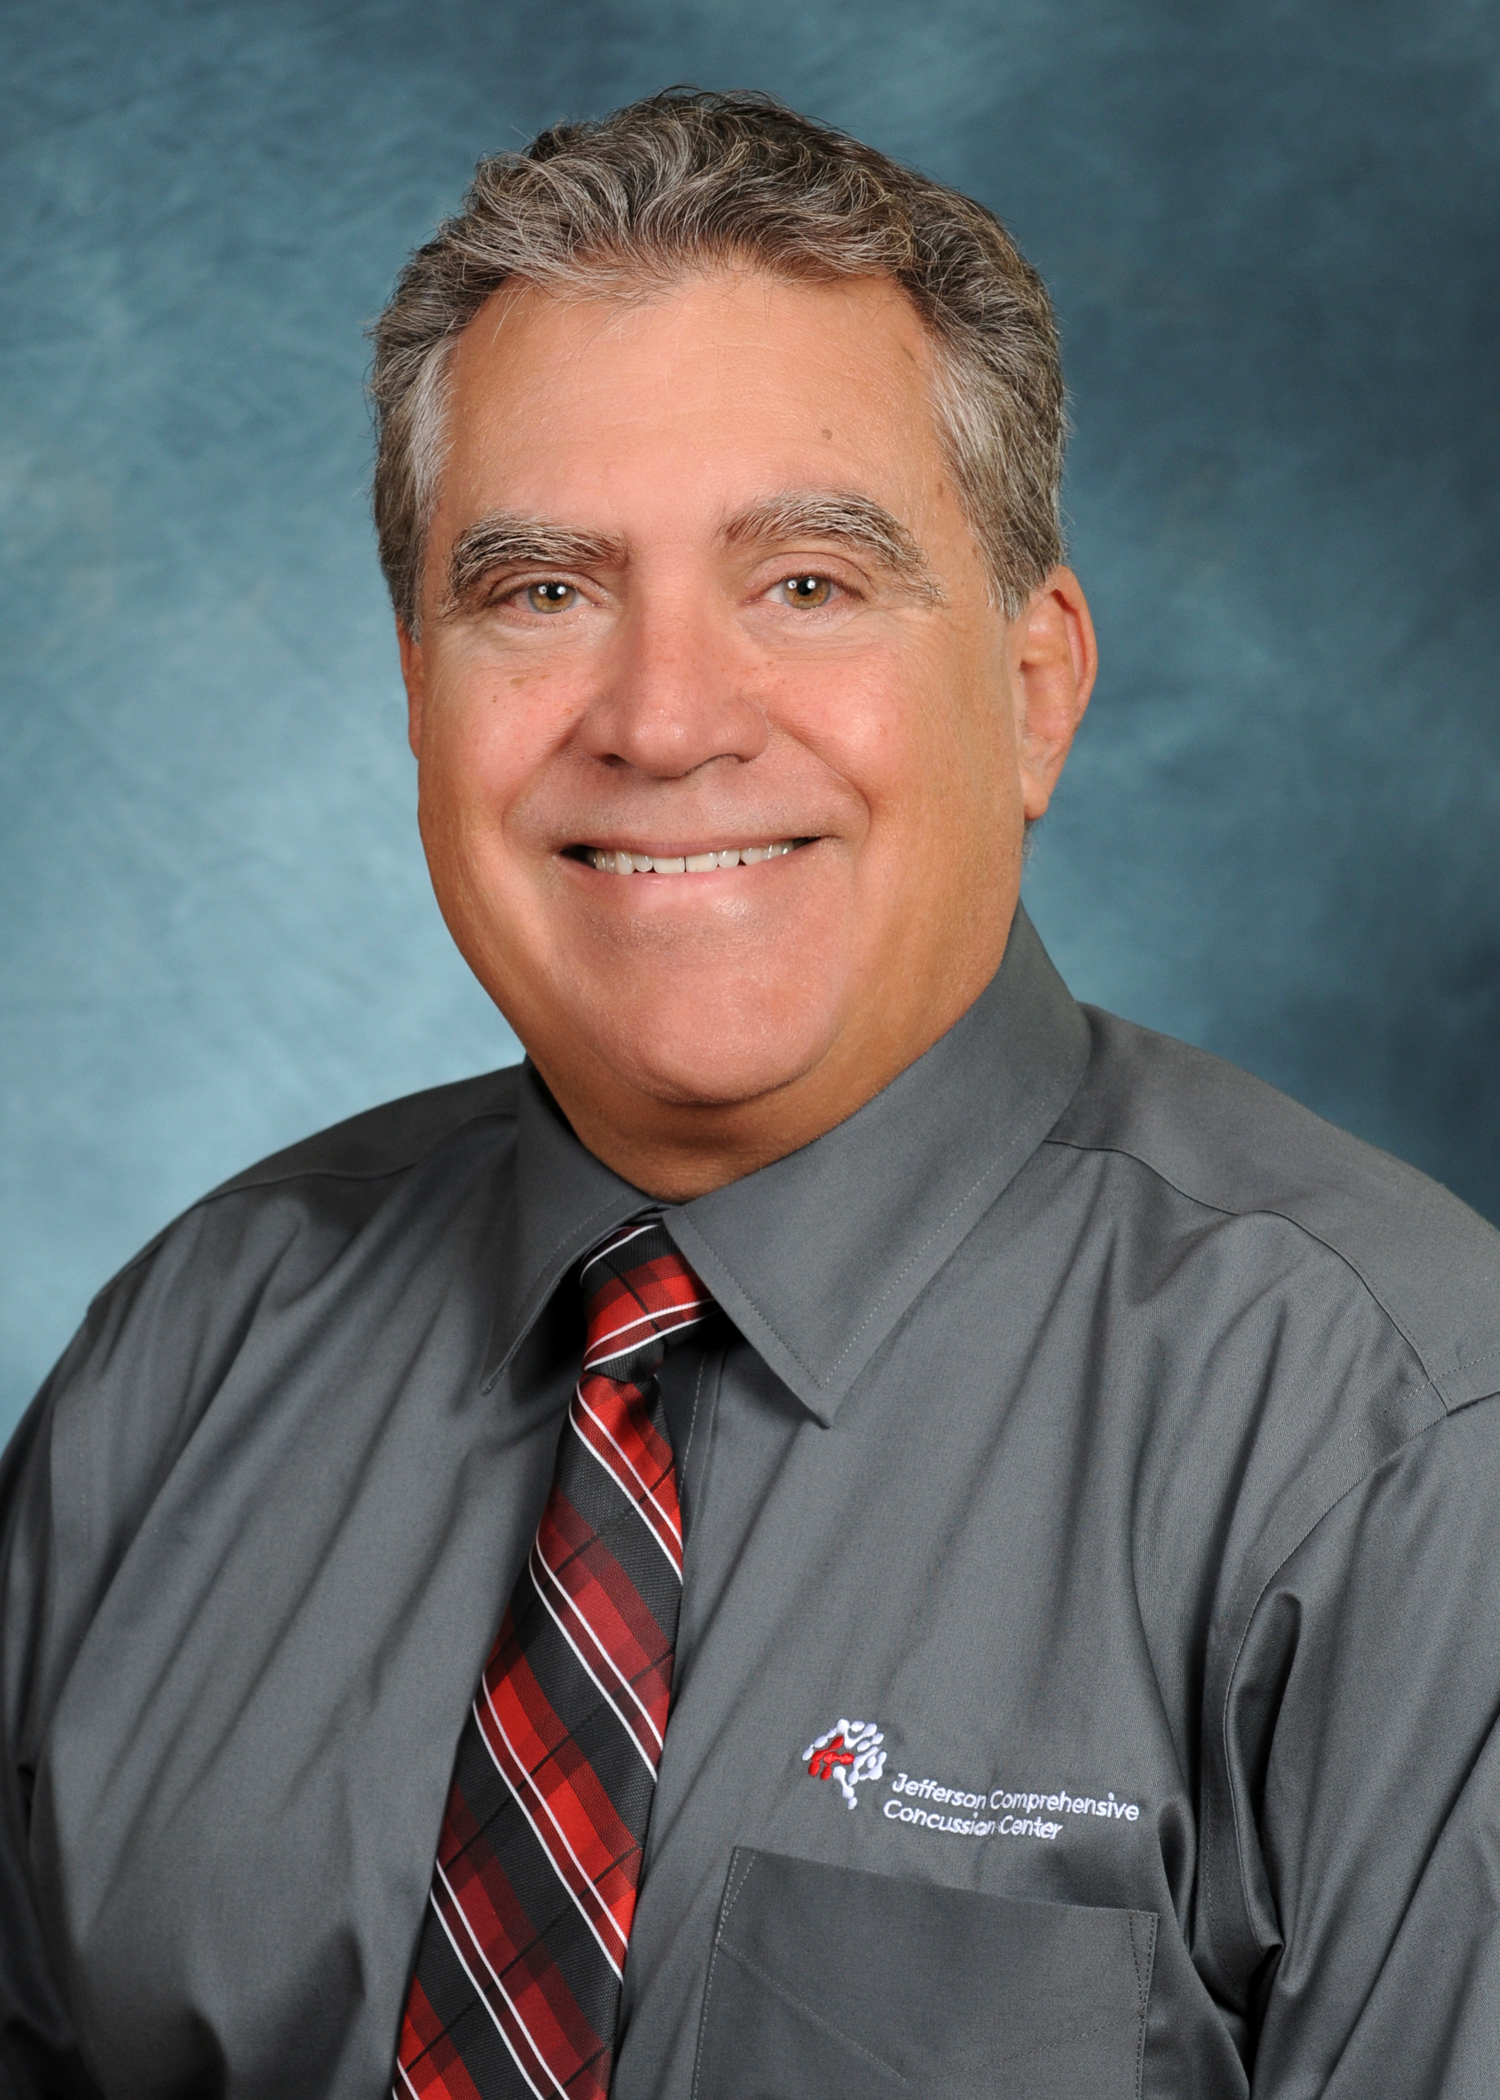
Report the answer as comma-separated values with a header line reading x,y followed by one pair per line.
x,y
243,1726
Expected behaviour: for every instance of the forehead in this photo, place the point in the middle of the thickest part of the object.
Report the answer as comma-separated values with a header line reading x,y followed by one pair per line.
x,y
725,386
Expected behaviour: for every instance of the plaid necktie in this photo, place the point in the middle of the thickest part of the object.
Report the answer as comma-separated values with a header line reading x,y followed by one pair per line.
x,y
517,1984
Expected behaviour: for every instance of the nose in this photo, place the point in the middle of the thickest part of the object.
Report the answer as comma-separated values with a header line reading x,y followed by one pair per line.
x,y
673,696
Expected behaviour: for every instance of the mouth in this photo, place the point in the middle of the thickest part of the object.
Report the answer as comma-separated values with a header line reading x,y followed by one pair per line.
x,y
616,860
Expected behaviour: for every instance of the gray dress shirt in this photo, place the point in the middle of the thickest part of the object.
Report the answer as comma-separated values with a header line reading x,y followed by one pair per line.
x,y
1098,1460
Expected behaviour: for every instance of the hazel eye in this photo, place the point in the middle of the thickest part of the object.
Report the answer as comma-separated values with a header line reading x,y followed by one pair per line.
x,y
551,597
806,592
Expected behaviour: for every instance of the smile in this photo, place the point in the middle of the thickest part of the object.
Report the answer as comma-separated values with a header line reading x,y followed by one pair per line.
x,y
611,861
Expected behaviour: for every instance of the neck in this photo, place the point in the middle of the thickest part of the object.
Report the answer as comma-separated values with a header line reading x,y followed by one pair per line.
x,y
675,1150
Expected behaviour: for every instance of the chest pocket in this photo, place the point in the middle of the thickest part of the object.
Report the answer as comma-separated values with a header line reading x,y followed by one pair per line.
x,y
827,1984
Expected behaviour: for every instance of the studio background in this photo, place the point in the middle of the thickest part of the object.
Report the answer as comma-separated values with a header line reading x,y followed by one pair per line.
x,y
1271,234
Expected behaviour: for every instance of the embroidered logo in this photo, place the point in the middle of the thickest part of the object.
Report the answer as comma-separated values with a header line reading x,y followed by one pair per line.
x,y
850,1752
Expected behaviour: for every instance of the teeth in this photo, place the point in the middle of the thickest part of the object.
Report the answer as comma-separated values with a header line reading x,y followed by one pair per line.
x,y
615,861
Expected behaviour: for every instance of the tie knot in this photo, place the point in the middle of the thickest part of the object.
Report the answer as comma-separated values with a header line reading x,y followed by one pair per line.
x,y
637,1291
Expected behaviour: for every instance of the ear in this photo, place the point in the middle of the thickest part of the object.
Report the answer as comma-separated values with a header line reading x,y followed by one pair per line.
x,y
414,675
1055,658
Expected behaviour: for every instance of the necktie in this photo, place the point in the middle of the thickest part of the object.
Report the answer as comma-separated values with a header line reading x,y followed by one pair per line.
x,y
517,1983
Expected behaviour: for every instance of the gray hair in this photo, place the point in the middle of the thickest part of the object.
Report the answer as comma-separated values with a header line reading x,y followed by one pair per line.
x,y
687,181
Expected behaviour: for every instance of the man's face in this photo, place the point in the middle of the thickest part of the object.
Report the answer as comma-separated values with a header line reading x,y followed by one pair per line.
x,y
698,584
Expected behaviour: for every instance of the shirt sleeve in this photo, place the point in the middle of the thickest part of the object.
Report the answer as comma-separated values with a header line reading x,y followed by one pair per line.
x,y
76,1482
1364,1773
39,2059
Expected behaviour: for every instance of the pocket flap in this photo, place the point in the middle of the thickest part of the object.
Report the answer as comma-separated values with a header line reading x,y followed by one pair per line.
x,y
830,1982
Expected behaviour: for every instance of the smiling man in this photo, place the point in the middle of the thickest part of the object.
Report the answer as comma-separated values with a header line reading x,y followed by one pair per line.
x,y
852,1525
725,747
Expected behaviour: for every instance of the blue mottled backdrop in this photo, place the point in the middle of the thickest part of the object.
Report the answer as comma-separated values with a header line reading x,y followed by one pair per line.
x,y
1271,231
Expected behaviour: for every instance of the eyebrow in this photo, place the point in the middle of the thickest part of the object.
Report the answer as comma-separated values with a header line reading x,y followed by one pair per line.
x,y
509,540
850,520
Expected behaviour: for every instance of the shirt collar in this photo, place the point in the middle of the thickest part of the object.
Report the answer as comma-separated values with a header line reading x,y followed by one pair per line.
x,y
816,1257
563,1202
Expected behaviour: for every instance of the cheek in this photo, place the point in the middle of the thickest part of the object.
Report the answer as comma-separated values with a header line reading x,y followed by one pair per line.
x,y
917,755
857,719
485,738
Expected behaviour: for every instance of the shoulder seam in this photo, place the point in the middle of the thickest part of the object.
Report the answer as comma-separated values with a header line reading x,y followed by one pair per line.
x,y
1265,1210
248,1179
243,1184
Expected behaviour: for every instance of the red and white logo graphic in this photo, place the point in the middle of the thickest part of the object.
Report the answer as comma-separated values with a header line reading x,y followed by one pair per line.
x,y
850,1752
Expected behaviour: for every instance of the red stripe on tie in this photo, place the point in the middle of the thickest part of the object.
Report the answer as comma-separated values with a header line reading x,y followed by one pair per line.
x,y
547,1987
658,1297
492,1994
526,1996
558,1770
605,1421
637,1684
603,1594
593,1855
622,1410
515,1952
428,2064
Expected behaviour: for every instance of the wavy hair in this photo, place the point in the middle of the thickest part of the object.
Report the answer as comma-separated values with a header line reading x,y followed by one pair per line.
x,y
687,181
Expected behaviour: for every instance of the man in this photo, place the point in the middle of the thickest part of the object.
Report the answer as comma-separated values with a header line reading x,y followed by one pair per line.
x,y
1007,1604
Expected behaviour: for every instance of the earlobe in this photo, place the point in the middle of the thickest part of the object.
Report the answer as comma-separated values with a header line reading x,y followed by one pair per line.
x,y
413,675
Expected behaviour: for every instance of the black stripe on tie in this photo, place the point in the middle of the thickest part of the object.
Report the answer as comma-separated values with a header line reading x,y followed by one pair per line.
x,y
506,1837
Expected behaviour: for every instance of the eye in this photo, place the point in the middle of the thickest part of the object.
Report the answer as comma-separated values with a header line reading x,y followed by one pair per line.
x,y
551,597
806,592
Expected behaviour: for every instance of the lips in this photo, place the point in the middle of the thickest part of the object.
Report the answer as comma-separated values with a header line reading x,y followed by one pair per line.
x,y
611,860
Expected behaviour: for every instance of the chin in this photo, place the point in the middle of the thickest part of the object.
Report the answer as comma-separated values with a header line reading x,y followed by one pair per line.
x,y
714,1058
